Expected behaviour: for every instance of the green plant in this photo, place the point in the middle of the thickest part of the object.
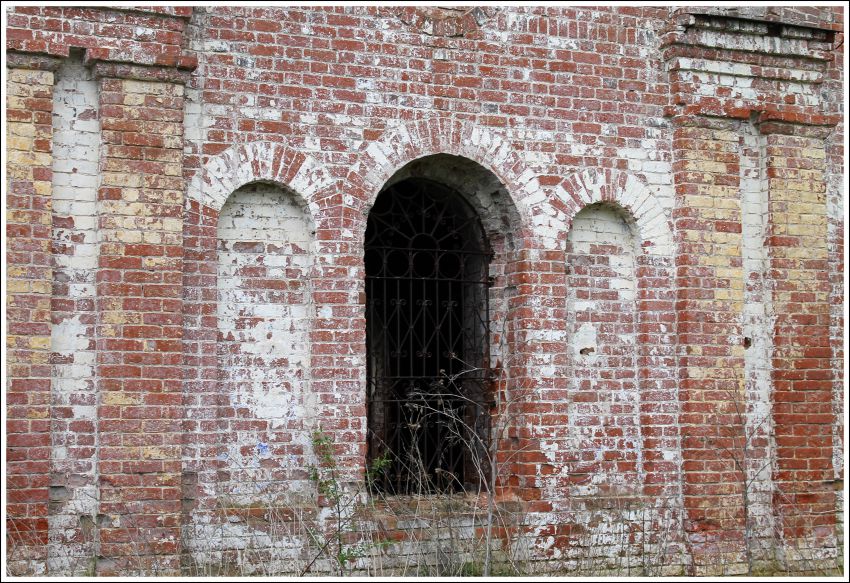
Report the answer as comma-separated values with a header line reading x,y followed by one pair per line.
x,y
331,493
344,542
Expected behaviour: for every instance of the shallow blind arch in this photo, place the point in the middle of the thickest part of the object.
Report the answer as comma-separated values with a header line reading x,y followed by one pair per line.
x,y
604,345
263,296
428,339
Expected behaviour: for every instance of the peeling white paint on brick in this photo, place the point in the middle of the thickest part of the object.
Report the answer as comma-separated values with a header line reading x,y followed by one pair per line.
x,y
753,43
758,325
604,415
76,149
265,257
835,208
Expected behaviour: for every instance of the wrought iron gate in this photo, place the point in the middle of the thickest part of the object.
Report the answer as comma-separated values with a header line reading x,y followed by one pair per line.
x,y
428,340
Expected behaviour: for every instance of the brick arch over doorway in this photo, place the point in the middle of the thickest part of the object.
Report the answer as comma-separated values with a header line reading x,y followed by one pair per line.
x,y
380,160
524,319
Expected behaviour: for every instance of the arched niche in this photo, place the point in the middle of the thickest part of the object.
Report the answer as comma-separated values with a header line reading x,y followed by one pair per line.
x,y
264,259
602,335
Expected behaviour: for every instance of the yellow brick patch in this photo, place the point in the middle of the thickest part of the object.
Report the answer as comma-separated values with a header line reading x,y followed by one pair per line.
x,y
118,398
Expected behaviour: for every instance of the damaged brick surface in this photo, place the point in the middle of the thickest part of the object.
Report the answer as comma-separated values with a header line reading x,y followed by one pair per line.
x,y
661,193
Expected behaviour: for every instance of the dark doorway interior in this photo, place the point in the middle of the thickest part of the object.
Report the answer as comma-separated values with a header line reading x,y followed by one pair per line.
x,y
427,336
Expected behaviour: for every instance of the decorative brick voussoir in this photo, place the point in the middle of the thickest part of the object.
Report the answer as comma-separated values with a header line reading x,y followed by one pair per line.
x,y
625,190
435,135
257,162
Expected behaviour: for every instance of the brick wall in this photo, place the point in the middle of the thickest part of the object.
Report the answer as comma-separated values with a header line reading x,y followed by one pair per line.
x,y
264,257
140,325
801,366
602,341
188,193
28,295
73,342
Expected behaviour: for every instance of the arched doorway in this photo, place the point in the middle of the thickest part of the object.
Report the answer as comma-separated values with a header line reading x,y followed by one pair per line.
x,y
427,301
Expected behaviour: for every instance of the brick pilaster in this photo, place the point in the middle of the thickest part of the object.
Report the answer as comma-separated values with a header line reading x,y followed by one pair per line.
x,y
531,404
28,287
709,303
802,369
139,290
